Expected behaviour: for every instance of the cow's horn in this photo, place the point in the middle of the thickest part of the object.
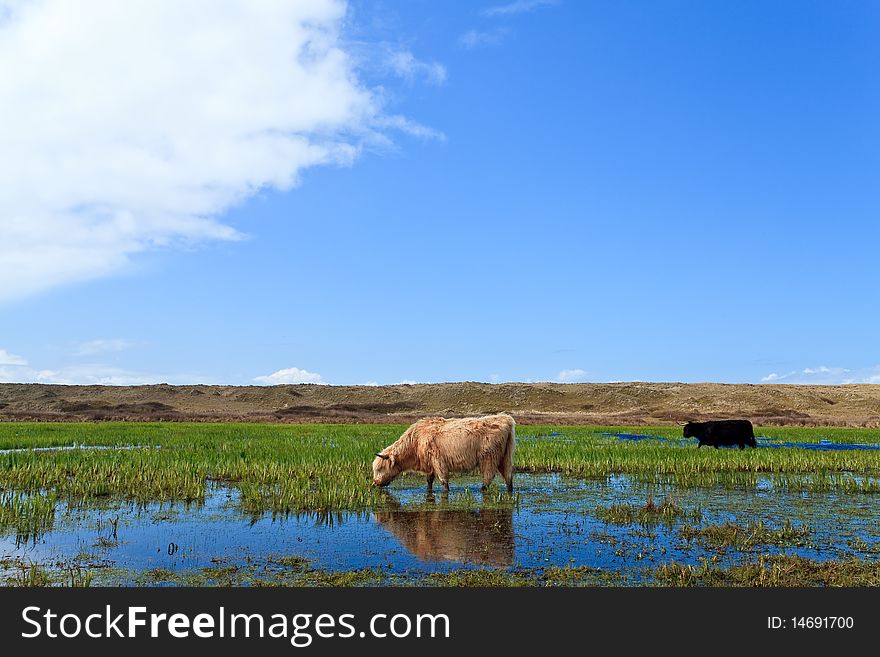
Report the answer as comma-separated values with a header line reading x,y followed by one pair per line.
x,y
382,456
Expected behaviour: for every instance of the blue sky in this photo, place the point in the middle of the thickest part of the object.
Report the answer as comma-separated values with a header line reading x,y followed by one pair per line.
x,y
572,191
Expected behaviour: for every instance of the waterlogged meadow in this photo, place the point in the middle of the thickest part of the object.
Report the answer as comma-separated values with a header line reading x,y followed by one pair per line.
x,y
199,503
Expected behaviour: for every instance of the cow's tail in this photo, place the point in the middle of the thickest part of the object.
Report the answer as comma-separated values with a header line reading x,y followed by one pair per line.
x,y
506,467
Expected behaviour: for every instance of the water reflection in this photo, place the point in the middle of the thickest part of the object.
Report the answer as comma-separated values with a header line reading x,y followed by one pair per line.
x,y
483,537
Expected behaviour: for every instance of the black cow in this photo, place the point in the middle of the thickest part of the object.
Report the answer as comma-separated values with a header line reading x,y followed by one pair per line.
x,y
721,432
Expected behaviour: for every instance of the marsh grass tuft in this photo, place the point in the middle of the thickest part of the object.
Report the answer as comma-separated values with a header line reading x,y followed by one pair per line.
x,y
650,514
28,516
29,575
291,562
773,571
757,533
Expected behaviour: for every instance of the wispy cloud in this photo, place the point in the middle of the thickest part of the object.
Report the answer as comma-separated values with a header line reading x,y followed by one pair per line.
x,y
94,374
572,376
17,369
482,38
493,36
824,375
11,359
93,347
518,7
405,65
289,375
411,128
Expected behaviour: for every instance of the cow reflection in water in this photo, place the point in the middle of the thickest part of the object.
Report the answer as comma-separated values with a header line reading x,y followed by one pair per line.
x,y
482,537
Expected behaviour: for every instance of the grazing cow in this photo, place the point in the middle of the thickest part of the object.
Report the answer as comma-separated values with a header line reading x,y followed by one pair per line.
x,y
721,432
482,537
436,447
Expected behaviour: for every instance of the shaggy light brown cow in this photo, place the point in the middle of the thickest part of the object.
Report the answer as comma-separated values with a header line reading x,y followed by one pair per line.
x,y
436,447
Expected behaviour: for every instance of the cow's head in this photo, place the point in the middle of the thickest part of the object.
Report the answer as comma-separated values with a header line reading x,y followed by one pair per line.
x,y
385,469
690,430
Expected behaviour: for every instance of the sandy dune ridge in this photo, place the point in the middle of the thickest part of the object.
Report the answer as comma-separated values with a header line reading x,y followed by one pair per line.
x,y
551,403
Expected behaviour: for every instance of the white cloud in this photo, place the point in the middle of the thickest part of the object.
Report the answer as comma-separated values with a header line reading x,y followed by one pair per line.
x,y
93,347
572,376
289,375
15,369
405,65
478,38
518,7
133,125
823,370
824,375
409,127
11,359
13,375
93,374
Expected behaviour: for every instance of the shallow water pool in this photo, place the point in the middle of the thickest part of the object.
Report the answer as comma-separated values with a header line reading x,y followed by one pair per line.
x,y
553,523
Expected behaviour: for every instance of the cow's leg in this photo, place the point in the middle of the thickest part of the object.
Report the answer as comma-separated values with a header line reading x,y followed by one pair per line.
x,y
441,472
508,477
699,445
741,446
443,476
488,470
506,465
431,483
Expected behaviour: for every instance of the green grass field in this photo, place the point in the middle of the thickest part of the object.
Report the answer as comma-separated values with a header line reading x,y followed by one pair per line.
x,y
291,468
